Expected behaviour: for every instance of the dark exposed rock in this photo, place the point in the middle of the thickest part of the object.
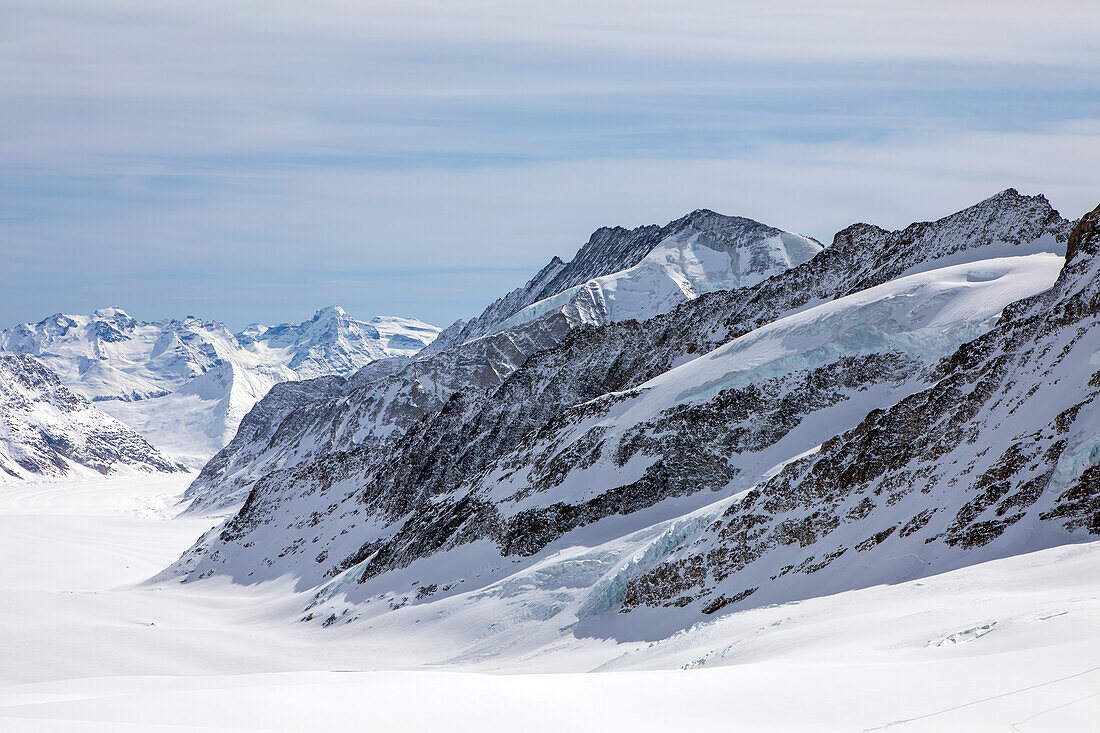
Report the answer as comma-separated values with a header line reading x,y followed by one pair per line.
x,y
991,444
47,428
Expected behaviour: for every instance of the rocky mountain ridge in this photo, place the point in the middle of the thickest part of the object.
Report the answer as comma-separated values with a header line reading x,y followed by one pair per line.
x,y
760,250
46,430
999,456
612,479
588,362
385,399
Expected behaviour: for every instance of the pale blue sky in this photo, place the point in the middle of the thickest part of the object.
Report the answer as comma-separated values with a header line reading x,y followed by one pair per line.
x,y
252,161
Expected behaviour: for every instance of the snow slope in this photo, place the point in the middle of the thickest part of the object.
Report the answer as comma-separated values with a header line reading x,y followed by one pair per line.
x,y
683,266
88,647
198,419
46,430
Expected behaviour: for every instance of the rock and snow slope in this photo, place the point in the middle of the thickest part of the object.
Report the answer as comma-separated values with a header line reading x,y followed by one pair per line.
x,y
467,404
664,266
593,489
185,385
1000,456
47,430
717,423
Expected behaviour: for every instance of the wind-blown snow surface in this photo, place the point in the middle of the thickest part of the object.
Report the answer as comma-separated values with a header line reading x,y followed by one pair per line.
x,y
186,384
88,647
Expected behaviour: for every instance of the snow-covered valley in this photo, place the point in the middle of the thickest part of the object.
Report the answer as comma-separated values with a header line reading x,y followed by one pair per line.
x,y
88,646
705,473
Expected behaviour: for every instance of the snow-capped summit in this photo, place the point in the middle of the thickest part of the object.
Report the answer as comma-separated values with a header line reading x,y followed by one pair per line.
x,y
108,355
334,343
185,384
705,253
639,273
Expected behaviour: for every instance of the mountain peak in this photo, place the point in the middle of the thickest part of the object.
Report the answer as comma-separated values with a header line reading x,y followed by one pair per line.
x,y
111,312
329,311
1085,236
1008,218
611,250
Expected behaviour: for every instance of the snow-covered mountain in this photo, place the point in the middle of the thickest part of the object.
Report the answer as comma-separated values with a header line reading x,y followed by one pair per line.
x,y
574,365
901,404
664,266
186,384
109,355
639,273
999,456
48,431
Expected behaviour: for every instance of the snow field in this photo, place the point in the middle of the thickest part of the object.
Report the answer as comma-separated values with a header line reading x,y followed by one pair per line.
x,y
88,647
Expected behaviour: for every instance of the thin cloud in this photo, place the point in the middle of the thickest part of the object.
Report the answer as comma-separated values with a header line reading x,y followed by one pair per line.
x,y
251,149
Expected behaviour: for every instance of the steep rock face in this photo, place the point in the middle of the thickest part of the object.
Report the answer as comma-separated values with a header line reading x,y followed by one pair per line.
x,y
999,456
365,515
698,252
47,430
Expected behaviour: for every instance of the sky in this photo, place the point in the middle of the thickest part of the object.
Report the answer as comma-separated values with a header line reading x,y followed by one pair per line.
x,y
254,160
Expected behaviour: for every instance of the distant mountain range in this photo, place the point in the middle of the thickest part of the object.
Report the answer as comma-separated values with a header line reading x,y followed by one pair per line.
x,y
186,384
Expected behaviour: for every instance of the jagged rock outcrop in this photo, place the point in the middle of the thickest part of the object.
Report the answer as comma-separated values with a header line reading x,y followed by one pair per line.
x,y
999,456
48,431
